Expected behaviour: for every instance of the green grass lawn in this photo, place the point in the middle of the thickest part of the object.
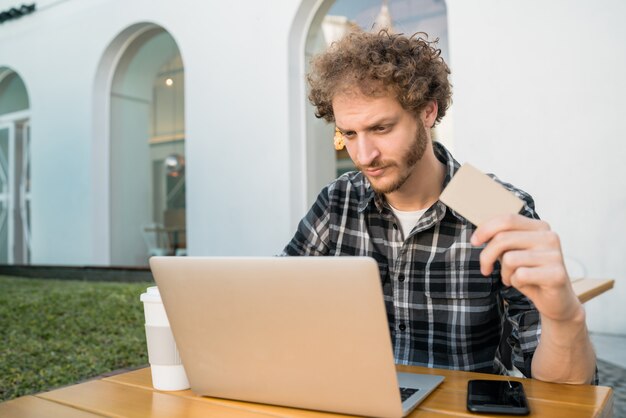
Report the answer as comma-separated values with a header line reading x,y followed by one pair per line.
x,y
54,332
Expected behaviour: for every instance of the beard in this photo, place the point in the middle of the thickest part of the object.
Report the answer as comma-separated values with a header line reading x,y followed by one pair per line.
x,y
405,166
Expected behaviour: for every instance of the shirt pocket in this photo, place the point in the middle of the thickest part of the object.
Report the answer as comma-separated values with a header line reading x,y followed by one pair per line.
x,y
464,309
459,281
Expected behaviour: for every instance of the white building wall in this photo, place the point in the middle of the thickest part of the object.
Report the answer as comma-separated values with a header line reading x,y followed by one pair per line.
x,y
539,99
236,121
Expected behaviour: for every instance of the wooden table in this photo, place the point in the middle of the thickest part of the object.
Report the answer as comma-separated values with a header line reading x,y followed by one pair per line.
x,y
131,395
587,289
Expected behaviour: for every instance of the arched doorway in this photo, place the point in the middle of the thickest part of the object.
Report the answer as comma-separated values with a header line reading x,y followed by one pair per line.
x,y
147,150
15,197
330,22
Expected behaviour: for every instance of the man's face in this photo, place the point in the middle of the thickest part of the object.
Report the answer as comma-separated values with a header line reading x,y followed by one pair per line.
x,y
384,140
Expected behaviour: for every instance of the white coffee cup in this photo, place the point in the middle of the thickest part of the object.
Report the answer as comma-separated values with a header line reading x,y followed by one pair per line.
x,y
166,366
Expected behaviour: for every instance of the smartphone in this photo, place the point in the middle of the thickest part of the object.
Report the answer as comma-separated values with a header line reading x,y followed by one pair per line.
x,y
497,397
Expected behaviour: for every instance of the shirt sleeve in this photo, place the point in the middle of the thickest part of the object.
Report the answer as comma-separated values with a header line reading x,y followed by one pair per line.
x,y
525,329
312,235
526,332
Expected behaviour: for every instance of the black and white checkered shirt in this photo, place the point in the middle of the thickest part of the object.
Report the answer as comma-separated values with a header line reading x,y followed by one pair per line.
x,y
442,311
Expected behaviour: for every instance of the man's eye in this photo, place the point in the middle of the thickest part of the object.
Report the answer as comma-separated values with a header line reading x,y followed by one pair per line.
x,y
381,129
348,134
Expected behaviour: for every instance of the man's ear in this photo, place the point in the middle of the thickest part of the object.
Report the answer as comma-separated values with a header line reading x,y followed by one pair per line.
x,y
429,113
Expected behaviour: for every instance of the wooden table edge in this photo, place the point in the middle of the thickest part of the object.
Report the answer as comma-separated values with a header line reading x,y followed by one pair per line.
x,y
608,406
598,409
587,289
181,394
72,406
73,410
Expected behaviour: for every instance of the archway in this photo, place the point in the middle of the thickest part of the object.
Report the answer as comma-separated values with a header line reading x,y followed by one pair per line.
x,y
147,150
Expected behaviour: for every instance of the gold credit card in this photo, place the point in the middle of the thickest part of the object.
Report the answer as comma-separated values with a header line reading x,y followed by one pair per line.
x,y
477,197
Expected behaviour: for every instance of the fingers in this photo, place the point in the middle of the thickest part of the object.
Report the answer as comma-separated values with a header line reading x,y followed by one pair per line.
x,y
522,268
549,288
537,277
491,228
504,242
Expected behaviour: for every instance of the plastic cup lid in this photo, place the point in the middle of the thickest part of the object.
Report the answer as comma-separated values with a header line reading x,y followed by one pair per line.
x,y
152,295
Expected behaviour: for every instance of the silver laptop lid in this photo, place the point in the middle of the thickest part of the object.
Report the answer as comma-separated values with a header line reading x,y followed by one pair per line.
x,y
306,332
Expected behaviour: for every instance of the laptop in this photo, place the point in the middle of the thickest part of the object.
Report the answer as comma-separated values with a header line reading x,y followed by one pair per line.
x,y
303,332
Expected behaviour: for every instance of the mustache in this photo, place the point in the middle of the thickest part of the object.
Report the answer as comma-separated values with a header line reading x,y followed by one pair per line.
x,y
377,163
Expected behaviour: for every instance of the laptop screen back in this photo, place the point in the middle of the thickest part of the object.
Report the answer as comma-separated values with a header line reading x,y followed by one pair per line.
x,y
307,332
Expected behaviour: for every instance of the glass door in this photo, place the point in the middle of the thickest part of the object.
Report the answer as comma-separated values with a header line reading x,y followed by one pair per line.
x,y
22,193
7,142
15,194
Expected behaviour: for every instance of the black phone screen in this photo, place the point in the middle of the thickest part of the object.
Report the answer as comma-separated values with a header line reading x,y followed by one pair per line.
x,y
496,396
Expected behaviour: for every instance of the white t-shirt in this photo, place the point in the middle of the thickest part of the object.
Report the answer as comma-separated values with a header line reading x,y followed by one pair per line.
x,y
408,219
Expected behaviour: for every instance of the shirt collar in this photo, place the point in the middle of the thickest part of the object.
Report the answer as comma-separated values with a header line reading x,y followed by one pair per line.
x,y
452,167
379,201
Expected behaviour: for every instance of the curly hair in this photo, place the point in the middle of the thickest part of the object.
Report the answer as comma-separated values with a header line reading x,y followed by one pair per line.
x,y
376,64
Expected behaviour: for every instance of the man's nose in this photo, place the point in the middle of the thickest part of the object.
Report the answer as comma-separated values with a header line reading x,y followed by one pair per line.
x,y
366,150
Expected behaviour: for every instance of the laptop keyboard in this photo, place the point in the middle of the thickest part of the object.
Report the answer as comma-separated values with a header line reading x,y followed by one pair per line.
x,y
405,393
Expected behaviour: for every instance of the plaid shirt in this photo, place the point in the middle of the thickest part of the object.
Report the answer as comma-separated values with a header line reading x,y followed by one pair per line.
x,y
442,311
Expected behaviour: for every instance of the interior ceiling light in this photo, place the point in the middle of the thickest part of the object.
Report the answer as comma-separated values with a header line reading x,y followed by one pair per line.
x,y
174,164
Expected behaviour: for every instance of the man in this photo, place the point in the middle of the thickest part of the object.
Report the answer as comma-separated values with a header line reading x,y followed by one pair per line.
x,y
448,286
